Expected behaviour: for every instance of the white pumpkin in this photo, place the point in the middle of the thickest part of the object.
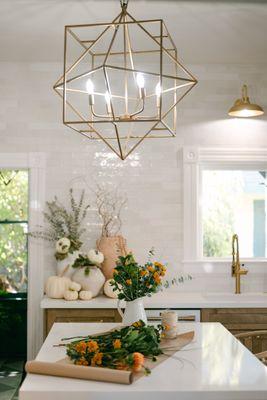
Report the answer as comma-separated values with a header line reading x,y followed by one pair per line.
x,y
94,281
70,295
95,256
75,286
108,290
63,245
85,295
56,286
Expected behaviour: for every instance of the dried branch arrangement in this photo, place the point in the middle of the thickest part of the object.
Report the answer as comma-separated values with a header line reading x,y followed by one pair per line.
x,y
109,206
64,223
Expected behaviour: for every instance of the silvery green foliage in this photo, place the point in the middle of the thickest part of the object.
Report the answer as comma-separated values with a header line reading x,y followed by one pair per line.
x,y
63,222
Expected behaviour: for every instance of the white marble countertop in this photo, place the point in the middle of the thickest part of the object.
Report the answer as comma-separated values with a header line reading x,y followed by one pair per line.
x,y
169,299
215,366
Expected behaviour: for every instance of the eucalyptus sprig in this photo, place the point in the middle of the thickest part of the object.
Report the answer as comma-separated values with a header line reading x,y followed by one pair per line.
x,y
64,222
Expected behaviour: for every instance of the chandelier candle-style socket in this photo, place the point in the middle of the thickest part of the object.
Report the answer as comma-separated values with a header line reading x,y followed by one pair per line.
x,y
122,81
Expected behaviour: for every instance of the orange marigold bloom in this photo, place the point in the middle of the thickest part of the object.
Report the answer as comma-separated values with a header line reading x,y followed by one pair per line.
x,y
92,346
117,344
81,361
138,361
167,327
150,268
97,359
137,324
81,347
128,282
143,272
157,278
159,265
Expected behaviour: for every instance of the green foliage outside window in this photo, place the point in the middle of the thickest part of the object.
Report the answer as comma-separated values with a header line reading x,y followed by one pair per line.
x,y
220,191
13,229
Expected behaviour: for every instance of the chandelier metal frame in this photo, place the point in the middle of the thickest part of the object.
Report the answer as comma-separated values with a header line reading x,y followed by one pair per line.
x,y
86,125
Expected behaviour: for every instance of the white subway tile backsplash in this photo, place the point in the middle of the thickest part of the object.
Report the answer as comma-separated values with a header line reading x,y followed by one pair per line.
x,y
30,120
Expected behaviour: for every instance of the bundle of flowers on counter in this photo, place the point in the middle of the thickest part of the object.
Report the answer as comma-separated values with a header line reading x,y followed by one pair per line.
x,y
122,349
133,281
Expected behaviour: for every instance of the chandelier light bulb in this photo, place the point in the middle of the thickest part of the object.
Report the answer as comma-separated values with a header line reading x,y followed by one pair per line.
x,y
158,93
108,98
158,90
140,80
89,86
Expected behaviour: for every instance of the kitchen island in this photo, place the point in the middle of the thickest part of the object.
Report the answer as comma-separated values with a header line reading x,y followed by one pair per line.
x,y
215,366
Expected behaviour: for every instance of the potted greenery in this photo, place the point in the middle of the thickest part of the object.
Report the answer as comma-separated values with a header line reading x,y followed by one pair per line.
x,y
64,228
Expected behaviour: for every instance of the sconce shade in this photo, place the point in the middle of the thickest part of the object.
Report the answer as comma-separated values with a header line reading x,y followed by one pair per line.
x,y
242,108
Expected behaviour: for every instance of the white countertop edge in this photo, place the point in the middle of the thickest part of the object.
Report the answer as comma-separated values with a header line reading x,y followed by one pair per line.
x,y
169,300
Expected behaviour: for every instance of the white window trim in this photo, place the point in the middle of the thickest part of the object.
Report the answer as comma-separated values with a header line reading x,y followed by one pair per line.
x,y
35,164
194,160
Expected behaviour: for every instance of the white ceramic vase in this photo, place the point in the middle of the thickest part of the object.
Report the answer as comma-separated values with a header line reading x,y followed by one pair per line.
x,y
93,282
134,311
64,267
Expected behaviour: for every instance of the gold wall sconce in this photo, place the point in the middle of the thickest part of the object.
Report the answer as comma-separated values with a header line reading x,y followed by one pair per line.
x,y
242,108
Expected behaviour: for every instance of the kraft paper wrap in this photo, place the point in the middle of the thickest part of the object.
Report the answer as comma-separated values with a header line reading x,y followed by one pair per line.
x,y
64,368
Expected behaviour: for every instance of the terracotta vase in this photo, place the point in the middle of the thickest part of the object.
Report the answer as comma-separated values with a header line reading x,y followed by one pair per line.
x,y
112,247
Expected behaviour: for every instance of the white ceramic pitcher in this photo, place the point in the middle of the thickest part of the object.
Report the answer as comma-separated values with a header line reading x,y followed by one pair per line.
x,y
134,311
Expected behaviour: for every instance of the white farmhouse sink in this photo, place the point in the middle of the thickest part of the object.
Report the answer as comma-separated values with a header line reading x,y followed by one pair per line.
x,y
243,297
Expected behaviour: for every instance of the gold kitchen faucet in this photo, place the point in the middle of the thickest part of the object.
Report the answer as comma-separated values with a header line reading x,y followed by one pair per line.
x,y
237,271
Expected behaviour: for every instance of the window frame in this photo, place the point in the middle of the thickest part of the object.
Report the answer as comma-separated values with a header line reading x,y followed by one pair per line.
x,y
195,160
15,222
35,163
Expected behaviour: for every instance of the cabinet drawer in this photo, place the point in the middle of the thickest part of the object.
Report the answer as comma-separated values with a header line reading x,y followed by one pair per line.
x,y
237,319
79,315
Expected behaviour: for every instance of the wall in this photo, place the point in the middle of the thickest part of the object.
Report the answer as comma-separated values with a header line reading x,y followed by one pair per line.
x,y
30,120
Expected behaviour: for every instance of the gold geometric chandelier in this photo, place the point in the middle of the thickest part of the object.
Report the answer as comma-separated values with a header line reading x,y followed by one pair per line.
x,y
122,81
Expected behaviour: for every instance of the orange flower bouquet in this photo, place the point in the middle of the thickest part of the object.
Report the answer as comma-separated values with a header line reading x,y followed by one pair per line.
x,y
133,281
122,349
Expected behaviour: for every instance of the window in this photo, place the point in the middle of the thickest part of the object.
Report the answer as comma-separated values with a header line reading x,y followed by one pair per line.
x,y
233,201
225,192
13,229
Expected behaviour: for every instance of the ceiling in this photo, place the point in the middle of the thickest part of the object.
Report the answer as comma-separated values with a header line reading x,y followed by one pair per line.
x,y
204,31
